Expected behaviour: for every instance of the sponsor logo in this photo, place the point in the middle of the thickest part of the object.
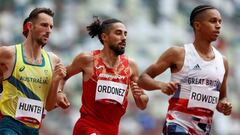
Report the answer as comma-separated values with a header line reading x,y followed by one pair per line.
x,y
99,67
196,67
22,68
112,76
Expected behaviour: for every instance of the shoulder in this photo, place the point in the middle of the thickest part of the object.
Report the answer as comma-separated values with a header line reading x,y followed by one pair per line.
x,y
133,66
132,62
7,51
54,58
175,50
84,57
172,54
82,62
221,56
225,62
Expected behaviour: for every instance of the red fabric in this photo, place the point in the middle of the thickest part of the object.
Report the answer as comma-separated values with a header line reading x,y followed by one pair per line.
x,y
87,126
181,105
80,129
105,113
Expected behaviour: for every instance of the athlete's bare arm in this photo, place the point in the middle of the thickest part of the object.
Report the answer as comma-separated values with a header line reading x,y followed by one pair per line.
x,y
7,56
59,72
81,63
172,58
140,98
224,106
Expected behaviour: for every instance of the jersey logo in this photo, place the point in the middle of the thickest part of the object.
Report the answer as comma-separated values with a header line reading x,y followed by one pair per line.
x,y
197,67
22,68
99,67
46,72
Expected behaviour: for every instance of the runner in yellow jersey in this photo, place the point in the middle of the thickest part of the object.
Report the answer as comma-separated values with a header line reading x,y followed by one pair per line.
x,y
30,77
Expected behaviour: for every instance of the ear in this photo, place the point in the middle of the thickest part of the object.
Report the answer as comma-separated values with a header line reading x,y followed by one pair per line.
x,y
104,36
196,25
29,25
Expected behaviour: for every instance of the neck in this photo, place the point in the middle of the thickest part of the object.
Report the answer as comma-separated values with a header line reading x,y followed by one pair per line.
x,y
204,50
109,57
32,50
202,46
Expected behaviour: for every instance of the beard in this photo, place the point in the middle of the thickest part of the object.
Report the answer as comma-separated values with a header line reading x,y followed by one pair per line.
x,y
116,50
41,43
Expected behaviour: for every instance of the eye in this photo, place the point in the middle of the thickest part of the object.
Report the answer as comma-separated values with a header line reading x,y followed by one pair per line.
x,y
118,32
213,20
220,21
51,26
44,24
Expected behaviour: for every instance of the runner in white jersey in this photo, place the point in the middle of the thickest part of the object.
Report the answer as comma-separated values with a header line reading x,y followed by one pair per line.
x,y
198,78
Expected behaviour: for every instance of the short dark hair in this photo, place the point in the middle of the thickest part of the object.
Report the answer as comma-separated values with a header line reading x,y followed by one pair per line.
x,y
97,28
197,10
33,15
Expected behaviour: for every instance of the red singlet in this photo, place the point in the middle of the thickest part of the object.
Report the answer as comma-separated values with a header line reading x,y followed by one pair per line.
x,y
104,98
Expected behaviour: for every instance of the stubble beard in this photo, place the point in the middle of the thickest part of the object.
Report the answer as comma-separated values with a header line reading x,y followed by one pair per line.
x,y
116,50
41,43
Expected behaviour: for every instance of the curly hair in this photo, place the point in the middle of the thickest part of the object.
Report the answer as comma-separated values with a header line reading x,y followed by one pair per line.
x,y
98,27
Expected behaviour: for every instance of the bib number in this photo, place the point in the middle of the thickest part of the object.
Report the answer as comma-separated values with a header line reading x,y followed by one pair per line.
x,y
202,97
29,110
110,90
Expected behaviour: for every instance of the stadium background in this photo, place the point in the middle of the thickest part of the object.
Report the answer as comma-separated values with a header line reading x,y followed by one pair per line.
x,y
153,26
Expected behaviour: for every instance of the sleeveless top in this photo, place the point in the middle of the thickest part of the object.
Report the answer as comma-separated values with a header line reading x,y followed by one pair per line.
x,y
25,91
199,89
104,96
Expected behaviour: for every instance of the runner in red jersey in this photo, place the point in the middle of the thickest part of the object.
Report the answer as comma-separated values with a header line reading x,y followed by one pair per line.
x,y
107,76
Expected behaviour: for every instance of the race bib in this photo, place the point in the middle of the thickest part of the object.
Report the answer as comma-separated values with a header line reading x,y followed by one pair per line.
x,y
29,110
110,90
202,97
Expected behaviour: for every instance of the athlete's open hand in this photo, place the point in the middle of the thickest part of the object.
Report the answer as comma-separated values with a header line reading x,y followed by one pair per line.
x,y
62,100
169,88
224,107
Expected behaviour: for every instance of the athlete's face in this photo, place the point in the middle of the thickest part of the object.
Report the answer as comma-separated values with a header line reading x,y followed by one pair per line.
x,y
116,38
42,28
210,24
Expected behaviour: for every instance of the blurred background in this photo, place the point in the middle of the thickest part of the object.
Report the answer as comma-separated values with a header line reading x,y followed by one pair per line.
x,y
153,26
